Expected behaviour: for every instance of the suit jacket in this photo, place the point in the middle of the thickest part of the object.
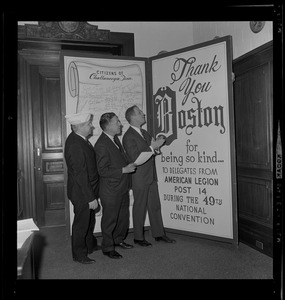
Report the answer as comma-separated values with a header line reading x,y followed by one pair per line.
x,y
83,177
110,161
134,144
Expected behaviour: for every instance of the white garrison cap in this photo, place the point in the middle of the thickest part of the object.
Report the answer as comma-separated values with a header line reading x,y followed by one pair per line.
x,y
79,118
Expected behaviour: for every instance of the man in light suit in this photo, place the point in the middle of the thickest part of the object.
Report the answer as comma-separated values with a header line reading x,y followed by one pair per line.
x,y
82,186
144,180
115,181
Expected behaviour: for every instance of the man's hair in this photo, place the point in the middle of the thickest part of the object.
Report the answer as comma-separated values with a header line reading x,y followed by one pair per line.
x,y
130,112
105,119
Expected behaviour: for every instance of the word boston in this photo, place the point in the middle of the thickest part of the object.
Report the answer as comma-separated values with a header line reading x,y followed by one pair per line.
x,y
200,117
193,109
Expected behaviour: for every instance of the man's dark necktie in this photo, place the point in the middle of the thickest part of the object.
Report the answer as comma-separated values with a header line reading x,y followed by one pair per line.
x,y
117,142
144,135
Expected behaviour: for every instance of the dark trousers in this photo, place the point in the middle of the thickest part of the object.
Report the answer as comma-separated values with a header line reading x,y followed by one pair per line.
x,y
83,225
115,220
146,199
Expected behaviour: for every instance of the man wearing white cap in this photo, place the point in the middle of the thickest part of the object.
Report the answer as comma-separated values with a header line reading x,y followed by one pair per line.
x,y
82,185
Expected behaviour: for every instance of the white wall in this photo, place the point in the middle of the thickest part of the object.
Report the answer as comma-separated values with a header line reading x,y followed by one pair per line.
x,y
153,37
244,40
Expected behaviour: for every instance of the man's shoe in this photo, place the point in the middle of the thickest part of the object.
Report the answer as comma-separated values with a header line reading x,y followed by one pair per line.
x,y
86,260
143,243
124,245
165,239
113,254
96,248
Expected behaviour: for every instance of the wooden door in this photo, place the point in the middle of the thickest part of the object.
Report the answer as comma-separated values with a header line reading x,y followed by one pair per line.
x,y
43,86
254,146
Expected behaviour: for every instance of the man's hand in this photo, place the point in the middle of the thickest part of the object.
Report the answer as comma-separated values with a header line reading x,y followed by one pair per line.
x,y
130,168
93,204
156,144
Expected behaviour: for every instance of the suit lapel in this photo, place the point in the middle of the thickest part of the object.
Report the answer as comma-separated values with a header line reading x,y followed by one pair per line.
x,y
108,141
138,135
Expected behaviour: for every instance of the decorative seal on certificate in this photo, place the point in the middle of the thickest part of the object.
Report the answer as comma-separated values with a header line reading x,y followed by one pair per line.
x,y
256,26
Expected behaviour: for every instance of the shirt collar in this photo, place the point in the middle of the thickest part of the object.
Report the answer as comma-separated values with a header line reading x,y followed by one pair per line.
x,y
110,136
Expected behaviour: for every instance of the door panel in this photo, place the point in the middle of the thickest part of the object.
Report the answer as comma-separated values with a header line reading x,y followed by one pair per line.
x,y
253,117
254,112
51,109
52,155
259,208
49,129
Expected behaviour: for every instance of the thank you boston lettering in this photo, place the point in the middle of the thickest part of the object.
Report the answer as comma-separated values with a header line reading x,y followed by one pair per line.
x,y
187,73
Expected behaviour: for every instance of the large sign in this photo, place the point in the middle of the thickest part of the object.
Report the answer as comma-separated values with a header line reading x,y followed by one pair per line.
x,y
193,109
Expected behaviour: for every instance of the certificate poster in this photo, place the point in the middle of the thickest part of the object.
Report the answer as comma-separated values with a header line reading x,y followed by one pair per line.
x,y
99,85
192,106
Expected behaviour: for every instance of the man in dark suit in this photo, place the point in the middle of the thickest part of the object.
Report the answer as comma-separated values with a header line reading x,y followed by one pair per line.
x,y
144,181
114,168
82,186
